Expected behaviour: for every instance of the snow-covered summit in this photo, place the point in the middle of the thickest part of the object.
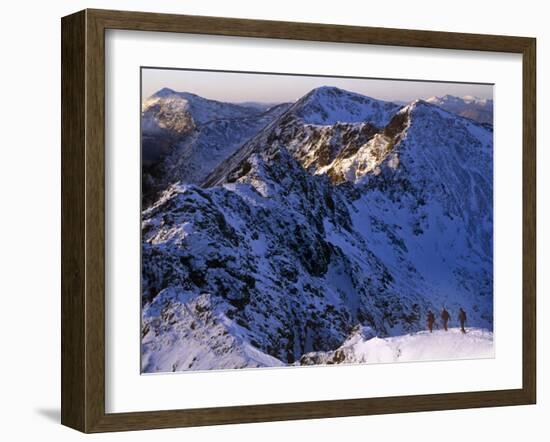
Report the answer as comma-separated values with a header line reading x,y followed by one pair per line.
x,y
429,110
328,105
200,110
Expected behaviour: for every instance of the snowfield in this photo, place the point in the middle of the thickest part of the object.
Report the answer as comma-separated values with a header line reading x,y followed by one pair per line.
x,y
422,346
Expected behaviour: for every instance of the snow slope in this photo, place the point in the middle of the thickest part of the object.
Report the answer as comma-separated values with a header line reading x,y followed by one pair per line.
x,y
422,346
203,332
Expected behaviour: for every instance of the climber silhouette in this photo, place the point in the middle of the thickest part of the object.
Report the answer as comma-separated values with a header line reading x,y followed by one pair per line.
x,y
462,319
445,316
430,320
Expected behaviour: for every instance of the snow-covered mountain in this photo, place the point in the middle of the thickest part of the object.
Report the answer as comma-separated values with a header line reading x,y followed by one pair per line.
x,y
478,109
184,136
329,105
323,124
177,111
342,212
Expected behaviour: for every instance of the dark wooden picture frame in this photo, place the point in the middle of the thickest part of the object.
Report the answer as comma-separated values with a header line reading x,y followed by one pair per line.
x,y
83,220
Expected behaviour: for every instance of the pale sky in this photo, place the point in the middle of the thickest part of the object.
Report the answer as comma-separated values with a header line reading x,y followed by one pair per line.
x,y
239,87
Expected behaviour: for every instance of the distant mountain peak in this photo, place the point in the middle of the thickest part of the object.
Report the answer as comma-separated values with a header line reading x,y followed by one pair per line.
x,y
336,93
169,93
331,90
454,99
164,92
469,106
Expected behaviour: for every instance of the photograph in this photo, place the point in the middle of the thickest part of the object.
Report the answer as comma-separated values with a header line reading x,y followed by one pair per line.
x,y
292,220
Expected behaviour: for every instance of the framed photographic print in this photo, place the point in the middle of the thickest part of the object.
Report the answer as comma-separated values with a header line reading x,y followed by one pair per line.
x,y
268,220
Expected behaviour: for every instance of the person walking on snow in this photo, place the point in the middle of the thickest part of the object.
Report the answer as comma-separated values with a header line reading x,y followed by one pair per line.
x,y
462,319
445,318
431,320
